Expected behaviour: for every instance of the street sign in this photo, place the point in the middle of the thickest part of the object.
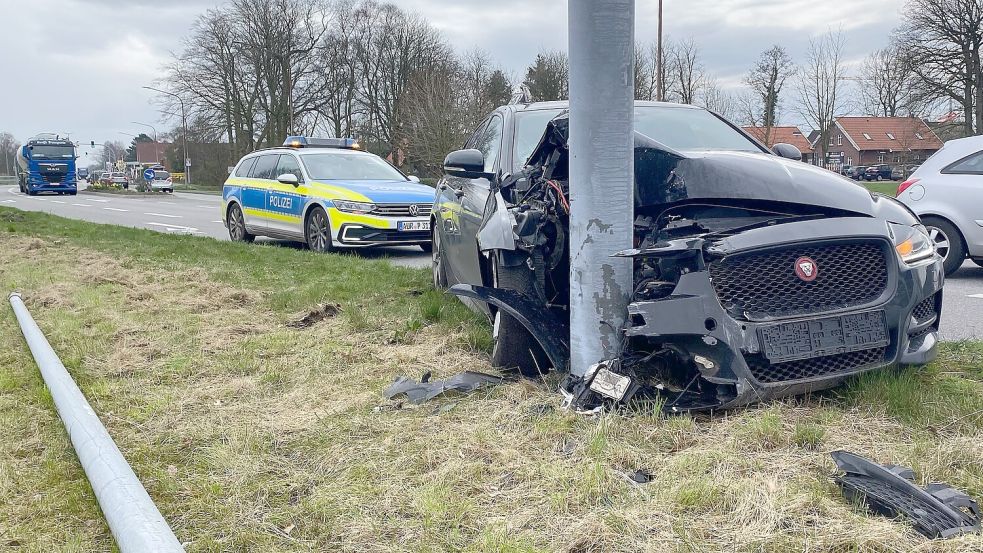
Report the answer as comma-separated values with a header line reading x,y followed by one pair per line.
x,y
148,175
187,162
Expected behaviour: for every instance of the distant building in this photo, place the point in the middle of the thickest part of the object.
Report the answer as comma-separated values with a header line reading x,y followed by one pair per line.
x,y
787,135
153,152
874,140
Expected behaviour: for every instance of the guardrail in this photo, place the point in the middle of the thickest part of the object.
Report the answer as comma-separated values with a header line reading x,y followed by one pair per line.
x,y
7,179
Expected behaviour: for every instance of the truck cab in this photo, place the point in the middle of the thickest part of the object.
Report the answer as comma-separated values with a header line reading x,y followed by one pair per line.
x,y
46,163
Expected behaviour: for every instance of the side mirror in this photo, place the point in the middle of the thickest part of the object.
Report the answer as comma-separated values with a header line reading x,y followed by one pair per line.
x,y
413,178
787,151
468,164
289,178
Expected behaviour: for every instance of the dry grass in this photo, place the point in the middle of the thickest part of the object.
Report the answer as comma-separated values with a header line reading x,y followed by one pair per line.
x,y
255,436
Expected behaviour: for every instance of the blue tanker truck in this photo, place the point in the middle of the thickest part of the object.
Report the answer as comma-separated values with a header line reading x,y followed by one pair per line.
x,y
46,163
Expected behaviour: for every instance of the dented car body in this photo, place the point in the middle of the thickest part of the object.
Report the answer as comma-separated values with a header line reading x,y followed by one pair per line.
x,y
755,276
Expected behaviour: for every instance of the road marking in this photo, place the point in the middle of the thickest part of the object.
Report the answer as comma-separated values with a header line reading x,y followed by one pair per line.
x,y
83,205
172,228
8,202
163,215
114,209
57,202
219,222
100,201
977,296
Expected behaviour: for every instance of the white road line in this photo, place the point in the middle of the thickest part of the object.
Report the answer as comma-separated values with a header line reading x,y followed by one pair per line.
x,y
100,201
114,209
83,205
8,201
977,296
57,202
219,222
163,215
172,228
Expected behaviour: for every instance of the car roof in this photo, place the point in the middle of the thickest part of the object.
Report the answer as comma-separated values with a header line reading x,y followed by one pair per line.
x,y
565,104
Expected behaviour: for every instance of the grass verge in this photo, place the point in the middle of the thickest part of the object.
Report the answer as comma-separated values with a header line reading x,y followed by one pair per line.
x,y
888,188
254,435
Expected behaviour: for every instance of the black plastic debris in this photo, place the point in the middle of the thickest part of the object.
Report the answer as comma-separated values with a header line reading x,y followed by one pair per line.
x,y
426,389
641,476
936,511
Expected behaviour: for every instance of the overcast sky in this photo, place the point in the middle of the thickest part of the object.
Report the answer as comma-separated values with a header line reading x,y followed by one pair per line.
x,y
77,65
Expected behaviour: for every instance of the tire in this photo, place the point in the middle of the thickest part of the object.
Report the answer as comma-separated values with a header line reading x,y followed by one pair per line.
x,y
515,347
237,225
948,243
437,270
879,178
317,231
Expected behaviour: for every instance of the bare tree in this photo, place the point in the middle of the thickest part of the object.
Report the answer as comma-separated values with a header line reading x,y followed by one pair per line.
x,y
644,73
112,151
888,86
717,100
766,80
687,75
942,42
819,85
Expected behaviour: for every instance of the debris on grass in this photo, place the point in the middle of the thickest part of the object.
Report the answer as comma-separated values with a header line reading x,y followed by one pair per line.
x,y
316,315
426,389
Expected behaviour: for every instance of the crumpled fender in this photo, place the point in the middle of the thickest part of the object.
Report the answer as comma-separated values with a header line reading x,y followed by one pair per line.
x,y
550,332
495,232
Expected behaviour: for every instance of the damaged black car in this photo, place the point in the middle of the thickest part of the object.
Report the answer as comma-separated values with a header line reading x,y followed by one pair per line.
x,y
755,275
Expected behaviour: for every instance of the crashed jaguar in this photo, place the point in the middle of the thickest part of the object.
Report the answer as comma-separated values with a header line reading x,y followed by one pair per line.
x,y
755,276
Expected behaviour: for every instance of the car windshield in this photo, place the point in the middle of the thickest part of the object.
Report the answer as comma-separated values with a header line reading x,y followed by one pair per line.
x,y
161,175
52,152
679,128
347,165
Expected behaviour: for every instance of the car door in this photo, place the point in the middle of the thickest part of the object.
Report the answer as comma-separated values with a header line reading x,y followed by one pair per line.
x,y
285,202
254,194
962,192
474,197
450,191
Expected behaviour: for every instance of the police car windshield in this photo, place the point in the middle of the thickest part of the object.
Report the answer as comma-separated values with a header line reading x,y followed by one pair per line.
x,y
347,165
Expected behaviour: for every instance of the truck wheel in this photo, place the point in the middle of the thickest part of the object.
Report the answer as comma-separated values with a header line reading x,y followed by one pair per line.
x,y
515,347
948,243
237,225
317,229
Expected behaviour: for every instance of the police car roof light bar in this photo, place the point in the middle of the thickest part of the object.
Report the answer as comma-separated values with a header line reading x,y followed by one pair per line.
x,y
305,142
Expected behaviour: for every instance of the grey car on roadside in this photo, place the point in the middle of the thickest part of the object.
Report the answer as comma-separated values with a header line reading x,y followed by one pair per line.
x,y
946,192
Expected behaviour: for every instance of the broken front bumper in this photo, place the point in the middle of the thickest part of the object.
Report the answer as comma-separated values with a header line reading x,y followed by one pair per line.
x,y
735,351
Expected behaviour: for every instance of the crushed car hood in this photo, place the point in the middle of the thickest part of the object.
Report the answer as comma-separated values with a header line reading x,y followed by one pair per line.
x,y
667,176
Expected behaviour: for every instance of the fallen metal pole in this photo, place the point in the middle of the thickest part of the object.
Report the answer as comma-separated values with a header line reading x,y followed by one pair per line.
x,y
602,39
134,520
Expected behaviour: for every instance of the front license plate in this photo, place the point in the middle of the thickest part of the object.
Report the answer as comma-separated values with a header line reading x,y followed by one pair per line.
x,y
822,337
413,225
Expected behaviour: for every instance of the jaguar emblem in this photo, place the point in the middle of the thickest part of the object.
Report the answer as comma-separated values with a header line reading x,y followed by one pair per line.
x,y
806,269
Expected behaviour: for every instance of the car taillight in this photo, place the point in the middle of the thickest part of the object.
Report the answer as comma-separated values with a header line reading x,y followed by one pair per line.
x,y
904,185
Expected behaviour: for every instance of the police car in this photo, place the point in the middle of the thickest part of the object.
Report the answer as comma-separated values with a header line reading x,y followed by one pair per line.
x,y
328,193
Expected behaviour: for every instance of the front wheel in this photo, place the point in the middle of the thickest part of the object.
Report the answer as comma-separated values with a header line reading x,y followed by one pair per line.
x,y
237,225
515,347
437,261
948,243
318,231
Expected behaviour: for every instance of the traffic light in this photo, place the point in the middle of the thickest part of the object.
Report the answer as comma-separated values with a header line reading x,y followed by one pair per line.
x,y
92,143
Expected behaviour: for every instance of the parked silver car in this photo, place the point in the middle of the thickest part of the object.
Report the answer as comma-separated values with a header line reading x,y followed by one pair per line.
x,y
946,192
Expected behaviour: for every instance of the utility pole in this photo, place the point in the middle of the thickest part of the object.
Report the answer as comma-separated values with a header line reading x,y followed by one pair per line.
x,y
184,132
659,76
602,41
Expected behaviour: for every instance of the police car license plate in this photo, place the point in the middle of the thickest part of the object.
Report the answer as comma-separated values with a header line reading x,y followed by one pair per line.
x,y
821,337
413,225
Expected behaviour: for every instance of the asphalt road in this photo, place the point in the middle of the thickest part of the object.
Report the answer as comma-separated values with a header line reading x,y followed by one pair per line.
x,y
199,215
178,213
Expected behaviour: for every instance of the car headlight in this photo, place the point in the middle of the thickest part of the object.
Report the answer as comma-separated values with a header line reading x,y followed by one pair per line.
x,y
912,243
353,207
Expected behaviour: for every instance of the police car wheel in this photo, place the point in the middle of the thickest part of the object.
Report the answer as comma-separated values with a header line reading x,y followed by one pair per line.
x,y
237,226
318,231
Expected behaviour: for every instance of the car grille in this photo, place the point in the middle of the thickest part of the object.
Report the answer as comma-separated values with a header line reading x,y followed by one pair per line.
x,y
54,178
761,285
401,210
830,365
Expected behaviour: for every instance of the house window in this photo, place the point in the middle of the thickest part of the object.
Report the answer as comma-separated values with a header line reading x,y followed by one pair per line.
x,y
889,135
867,136
880,157
897,158
849,161
839,140
830,140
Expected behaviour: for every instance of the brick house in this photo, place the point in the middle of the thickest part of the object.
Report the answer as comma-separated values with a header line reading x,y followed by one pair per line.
x,y
152,152
873,140
787,135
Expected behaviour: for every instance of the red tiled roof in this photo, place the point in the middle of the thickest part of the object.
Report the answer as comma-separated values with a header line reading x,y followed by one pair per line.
x,y
905,130
788,135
